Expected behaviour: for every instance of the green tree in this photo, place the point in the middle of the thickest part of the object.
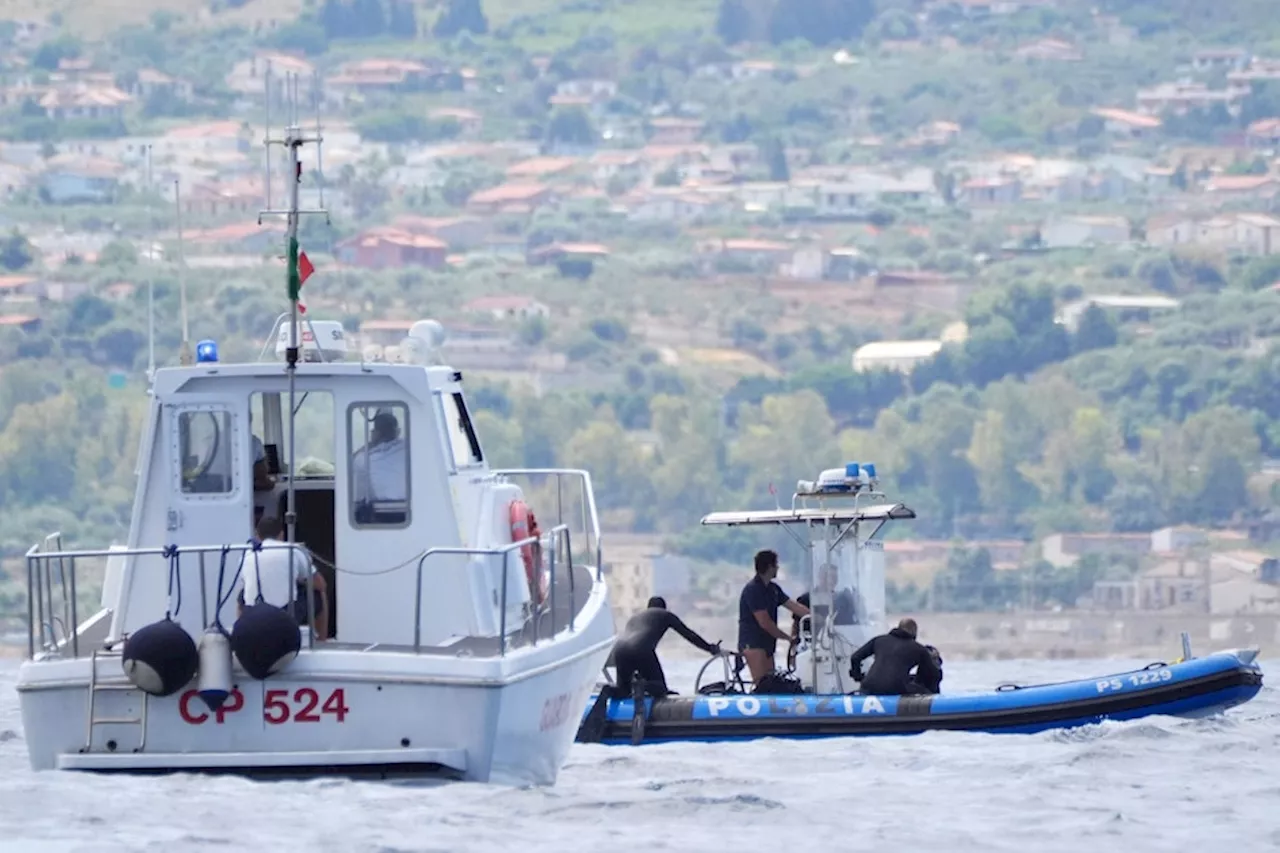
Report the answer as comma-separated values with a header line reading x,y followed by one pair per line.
x,y
402,20
118,253
38,452
686,472
668,177
16,251
53,51
500,439
784,435
461,16
820,22
775,157
997,467
615,462
991,351
733,21
1096,330
572,127
1261,272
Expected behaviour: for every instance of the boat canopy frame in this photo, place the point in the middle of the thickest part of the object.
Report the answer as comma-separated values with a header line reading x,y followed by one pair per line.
x,y
845,519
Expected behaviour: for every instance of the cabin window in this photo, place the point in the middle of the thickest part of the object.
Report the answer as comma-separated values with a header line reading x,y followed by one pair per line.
x,y
313,431
205,452
461,432
379,468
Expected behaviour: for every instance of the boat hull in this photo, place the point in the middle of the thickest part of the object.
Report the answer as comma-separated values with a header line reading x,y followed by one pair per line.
x,y
1199,687
331,712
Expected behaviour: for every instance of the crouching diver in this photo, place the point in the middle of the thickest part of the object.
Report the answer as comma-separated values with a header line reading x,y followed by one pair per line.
x,y
639,672
896,654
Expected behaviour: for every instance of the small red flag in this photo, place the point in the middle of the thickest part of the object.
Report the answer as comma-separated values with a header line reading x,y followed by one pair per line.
x,y
305,269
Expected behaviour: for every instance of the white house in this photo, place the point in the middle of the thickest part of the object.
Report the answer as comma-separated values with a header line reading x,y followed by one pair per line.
x,y
1070,232
808,263
669,204
247,78
593,90
1125,123
902,356
1246,233
507,307
1181,538
858,192
1122,304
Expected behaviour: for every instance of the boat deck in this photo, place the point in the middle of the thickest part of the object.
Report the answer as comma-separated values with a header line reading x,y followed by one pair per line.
x,y
569,604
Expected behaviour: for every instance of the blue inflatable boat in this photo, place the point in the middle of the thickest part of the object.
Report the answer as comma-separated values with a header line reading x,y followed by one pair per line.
x,y
1193,688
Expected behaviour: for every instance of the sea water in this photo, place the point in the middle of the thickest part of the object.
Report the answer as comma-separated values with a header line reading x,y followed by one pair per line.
x,y
1151,785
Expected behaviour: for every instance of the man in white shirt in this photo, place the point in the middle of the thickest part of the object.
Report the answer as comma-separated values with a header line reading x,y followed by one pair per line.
x,y
380,472
283,572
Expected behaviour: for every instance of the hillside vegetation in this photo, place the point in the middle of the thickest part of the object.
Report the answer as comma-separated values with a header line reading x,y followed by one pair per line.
x,y
693,157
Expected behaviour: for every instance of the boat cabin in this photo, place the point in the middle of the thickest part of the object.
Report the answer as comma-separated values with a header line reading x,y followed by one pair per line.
x,y
386,464
837,522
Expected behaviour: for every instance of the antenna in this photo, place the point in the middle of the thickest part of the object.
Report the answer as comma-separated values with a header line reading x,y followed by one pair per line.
x,y
151,277
292,141
184,355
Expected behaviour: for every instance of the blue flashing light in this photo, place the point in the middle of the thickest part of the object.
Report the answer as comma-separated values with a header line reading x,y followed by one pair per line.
x,y
206,352
851,470
870,469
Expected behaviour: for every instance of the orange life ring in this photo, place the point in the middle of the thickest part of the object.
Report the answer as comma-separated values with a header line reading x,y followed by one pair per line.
x,y
523,526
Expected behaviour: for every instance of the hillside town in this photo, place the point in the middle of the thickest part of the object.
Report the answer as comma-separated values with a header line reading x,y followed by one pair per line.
x,y
737,219
786,223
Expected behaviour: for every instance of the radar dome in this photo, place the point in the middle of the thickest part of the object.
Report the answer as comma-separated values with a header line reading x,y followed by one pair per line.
x,y
423,343
429,332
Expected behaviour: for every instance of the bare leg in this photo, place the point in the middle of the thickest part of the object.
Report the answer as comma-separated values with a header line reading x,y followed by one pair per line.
x,y
759,662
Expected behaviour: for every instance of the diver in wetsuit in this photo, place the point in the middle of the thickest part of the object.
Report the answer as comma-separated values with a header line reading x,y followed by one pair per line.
x,y
635,659
636,651
896,654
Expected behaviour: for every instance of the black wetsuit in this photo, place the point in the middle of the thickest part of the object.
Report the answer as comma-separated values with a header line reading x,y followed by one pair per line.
x,y
636,653
896,654
637,649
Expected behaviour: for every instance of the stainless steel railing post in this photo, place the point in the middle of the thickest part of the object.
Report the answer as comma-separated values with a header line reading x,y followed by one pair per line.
x,y
75,619
502,616
31,626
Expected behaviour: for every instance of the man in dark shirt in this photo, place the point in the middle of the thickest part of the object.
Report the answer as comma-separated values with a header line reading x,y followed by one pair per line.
x,y
896,654
758,631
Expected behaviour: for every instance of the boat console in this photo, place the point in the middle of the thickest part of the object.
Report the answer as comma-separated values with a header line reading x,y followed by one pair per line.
x,y
837,521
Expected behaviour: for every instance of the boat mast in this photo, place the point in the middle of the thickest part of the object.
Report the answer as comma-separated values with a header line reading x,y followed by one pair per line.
x,y
292,141
151,276
184,355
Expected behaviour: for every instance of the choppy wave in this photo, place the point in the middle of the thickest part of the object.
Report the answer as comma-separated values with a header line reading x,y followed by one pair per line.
x,y
1152,785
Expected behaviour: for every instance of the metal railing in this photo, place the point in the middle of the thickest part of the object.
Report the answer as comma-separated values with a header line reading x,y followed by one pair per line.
x,y
51,585
585,494
555,535
45,597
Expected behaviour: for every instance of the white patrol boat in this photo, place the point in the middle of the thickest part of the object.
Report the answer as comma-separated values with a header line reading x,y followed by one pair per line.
x,y
463,638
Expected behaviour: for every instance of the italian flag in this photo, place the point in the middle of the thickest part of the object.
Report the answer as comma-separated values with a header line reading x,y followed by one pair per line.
x,y
300,269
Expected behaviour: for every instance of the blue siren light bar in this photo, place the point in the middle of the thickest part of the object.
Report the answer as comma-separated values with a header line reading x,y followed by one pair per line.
x,y
851,470
869,468
206,352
